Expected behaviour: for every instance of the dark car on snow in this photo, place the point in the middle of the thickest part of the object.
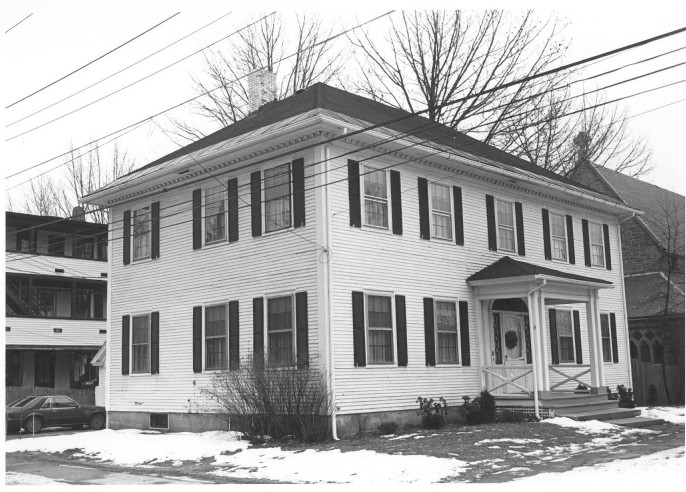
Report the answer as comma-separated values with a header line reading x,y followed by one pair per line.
x,y
35,412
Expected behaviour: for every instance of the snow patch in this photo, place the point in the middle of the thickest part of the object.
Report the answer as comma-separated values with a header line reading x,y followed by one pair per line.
x,y
583,427
674,415
13,478
506,439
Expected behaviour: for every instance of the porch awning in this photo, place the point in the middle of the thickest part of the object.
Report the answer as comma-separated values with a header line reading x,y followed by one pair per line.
x,y
507,268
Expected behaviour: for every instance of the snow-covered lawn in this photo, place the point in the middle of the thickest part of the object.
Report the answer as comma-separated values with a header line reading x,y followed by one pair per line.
x,y
675,415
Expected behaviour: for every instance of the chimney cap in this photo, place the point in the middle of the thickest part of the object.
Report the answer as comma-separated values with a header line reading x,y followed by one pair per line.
x,y
78,213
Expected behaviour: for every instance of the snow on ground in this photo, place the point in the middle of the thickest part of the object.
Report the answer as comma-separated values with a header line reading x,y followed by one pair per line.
x,y
675,415
507,439
12,478
594,426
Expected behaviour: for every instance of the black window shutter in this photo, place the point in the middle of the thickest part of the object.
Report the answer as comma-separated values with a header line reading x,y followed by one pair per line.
x,y
197,339
127,237
570,240
527,338
547,250
587,244
359,348
125,332
354,193
233,335
401,329
424,224
577,337
396,204
553,336
490,221
608,256
155,342
258,331
497,339
256,203
302,332
459,223
519,217
155,230
232,191
299,192
464,333
197,219
613,338
429,336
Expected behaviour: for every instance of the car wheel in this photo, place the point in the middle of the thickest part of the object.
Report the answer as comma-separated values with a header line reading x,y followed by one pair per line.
x,y
97,421
33,424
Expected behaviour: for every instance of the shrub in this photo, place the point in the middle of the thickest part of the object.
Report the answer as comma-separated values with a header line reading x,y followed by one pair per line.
x,y
652,395
626,397
480,410
433,414
386,428
273,402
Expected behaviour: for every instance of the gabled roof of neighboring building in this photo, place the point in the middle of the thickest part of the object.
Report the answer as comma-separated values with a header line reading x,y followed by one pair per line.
x,y
49,221
645,295
506,267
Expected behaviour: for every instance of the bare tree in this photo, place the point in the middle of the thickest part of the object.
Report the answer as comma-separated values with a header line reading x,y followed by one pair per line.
x,y
42,197
298,58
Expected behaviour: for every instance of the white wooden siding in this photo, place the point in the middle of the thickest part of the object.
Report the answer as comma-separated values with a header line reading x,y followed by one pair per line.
x,y
39,332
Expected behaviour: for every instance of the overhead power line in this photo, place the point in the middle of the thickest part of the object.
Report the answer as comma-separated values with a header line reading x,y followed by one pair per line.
x,y
92,61
19,23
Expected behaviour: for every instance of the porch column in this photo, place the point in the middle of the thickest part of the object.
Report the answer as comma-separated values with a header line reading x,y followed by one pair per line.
x,y
594,340
545,374
535,327
482,331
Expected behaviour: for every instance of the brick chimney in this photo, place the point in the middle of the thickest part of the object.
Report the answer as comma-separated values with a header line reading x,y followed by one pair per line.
x,y
78,213
261,88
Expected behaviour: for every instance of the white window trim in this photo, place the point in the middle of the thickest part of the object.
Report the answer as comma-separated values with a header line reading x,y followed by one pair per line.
x,y
294,328
366,168
263,195
457,321
205,216
133,233
204,334
450,215
551,237
394,329
497,225
559,345
609,337
131,355
601,244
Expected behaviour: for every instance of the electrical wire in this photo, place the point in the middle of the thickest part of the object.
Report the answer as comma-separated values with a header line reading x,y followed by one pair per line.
x,y
19,23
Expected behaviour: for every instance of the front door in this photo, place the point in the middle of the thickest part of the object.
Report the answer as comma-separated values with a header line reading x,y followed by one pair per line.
x,y
514,352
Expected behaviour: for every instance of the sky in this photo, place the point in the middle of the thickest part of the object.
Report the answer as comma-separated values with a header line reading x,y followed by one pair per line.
x,y
60,37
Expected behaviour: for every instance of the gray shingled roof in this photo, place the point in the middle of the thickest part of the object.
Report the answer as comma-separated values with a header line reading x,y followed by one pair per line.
x,y
506,267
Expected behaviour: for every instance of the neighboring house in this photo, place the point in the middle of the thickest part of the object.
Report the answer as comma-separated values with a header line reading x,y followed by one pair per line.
x,y
55,305
653,260
404,259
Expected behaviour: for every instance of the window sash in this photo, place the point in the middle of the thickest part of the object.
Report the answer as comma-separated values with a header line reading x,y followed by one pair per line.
x,y
441,212
605,337
565,336
506,229
558,234
140,344
595,236
215,338
375,198
215,217
379,330
141,233
446,332
277,198
280,331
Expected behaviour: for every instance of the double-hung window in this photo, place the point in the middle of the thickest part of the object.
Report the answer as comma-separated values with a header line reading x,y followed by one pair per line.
x,y
375,198
277,198
379,330
605,336
446,332
595,234
216,346
506,225
280,331
141,233
140,344
215,214
441,212
565,336
558,235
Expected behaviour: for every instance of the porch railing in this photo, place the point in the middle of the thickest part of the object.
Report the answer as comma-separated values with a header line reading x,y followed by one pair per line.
x,y
85,396
501,379
570,373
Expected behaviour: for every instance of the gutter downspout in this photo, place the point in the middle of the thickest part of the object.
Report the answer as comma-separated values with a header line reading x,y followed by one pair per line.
x,y
534,344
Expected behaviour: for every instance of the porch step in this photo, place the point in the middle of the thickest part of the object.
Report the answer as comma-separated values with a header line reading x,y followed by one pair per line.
x,y
572,399
566,409
638,422
603,415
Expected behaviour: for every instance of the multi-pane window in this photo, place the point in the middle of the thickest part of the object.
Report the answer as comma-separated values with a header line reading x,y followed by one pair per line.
x,y
216,347
140,344
446,331
47,303
56,244
595,235
85,247
44,369
558,233
506,225
280,334
375,198
379,330
215,218
277,198
16,296
441,213
141,233
565,336
605,336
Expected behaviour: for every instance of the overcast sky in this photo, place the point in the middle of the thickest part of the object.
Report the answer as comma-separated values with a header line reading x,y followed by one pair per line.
x,y
61,36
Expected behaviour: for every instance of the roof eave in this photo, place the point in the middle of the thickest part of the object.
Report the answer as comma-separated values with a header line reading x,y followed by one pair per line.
x,y
535,277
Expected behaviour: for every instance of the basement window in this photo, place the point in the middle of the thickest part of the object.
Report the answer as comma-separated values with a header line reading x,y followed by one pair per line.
x,y
159,421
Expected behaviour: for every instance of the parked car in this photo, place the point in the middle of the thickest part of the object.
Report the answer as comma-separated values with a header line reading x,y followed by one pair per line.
x,y
35,412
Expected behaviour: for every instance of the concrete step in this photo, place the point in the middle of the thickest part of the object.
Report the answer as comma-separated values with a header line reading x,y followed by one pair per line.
x,y
638,422
561,400
564,410
604,415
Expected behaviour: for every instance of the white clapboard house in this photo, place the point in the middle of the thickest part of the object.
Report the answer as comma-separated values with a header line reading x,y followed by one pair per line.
x,y
401,257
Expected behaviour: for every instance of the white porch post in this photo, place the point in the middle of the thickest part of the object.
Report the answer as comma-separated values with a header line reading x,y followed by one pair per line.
x,y
545,373
594,340
535,327
481,336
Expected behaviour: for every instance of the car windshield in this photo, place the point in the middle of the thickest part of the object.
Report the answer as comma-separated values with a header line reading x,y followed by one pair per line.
x,y
22,402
